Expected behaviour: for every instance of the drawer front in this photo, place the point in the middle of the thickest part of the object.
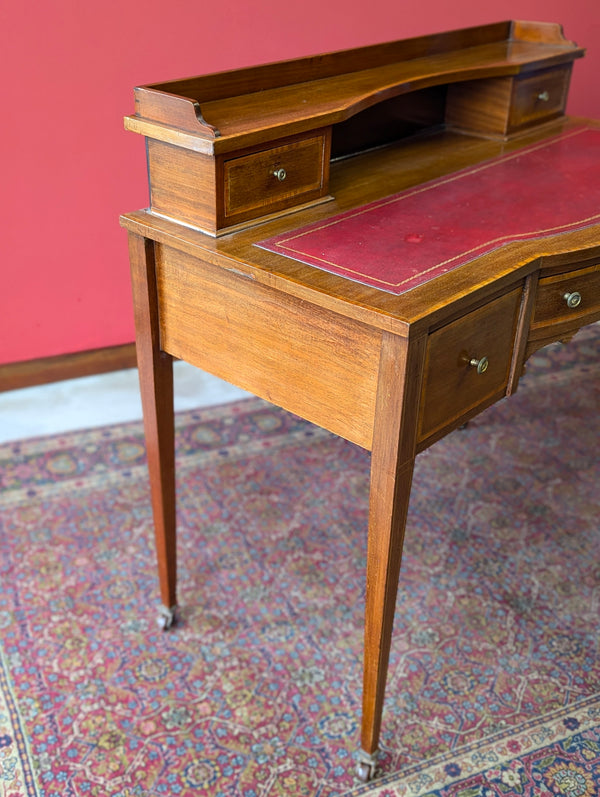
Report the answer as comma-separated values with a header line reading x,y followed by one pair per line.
x,y
266,181
467,363
567,298
539,96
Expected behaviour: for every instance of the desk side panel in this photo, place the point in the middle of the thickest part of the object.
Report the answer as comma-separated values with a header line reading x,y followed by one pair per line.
x,y
301,357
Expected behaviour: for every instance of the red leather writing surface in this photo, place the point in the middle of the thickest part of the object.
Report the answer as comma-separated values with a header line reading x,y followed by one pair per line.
x,y
409,238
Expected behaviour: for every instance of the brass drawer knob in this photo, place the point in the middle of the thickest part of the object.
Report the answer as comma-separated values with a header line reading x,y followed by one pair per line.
x,y
572,299
481,364
543,96
280,174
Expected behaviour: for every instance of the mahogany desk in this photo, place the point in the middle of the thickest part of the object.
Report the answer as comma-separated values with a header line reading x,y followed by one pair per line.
x,y
241,157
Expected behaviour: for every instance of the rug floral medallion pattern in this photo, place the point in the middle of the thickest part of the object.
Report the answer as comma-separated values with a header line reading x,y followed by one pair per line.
x,y
494,677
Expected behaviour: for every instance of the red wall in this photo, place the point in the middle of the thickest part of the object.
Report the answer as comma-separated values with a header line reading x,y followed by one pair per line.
x,y
67,167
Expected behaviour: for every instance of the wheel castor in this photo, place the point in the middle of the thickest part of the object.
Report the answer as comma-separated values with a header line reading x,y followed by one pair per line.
x,y
166,617
366,766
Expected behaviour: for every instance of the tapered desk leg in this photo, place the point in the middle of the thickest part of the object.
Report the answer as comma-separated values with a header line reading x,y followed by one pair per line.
x,y
156,383
392,462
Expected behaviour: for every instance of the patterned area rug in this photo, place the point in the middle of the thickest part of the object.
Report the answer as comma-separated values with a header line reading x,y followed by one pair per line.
x,y
494,680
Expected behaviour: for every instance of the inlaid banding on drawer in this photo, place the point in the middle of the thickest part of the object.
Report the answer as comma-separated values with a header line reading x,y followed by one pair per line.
x,y
269,179
567,297
539,96
502,106
467,364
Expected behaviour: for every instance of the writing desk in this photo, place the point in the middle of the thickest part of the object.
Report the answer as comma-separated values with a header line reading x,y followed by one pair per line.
x,y
248,168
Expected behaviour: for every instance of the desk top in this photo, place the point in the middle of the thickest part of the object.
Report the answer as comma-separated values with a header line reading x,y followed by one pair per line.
x,y
372,177
414,236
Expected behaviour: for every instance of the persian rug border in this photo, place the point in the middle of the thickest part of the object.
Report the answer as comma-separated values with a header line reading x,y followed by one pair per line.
x,y
474,759
16,764
89,475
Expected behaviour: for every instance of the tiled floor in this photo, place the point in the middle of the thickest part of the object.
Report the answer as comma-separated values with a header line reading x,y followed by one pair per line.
x,y
100,400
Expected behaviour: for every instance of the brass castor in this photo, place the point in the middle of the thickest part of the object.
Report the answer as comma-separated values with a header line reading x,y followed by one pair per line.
x,y
166,617
366,767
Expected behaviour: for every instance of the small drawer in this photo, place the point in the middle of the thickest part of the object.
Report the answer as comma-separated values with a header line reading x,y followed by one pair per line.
x,y
270,180
539,96
566,300
467,364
